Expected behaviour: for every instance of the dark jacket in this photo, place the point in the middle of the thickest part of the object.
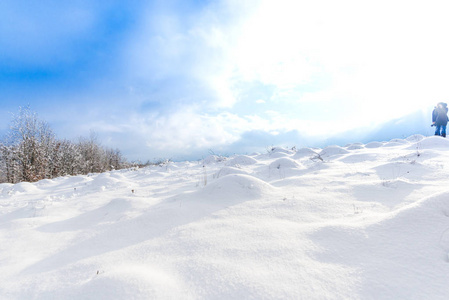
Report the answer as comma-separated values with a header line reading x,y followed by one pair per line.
x,y
439,115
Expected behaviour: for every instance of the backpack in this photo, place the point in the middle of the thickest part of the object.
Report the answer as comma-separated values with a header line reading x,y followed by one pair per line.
x,y
440,114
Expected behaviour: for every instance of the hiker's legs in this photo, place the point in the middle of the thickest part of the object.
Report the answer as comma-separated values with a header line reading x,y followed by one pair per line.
x,y
437,129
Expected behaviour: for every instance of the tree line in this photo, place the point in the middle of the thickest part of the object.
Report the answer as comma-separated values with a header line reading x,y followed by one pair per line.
x,y
31,151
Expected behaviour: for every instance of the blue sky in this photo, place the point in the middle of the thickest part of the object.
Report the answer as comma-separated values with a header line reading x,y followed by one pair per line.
x,y
178,78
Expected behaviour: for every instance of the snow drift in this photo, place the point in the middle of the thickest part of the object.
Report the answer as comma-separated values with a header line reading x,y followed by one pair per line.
x,y
360,222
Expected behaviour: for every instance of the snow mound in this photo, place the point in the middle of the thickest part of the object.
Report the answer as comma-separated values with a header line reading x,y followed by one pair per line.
x,y
25,187
282,150
333,150
235,186
417,232
5,188
72,181
284,163
105,181
118,176
395,169
433,142
228,171
399,141
374,145
111,212
284,167
45,182
211,159
357,158
241,160
415,138
355,146
23,211
304,152
278,154
392,144
131,281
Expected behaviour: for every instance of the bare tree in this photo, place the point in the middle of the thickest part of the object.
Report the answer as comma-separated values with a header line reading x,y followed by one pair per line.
x,y
31,152
33,141
10,168
115,160
92,154
69,158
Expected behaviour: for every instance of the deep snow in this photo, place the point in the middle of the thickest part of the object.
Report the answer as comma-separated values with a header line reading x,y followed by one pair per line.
x,y
356,222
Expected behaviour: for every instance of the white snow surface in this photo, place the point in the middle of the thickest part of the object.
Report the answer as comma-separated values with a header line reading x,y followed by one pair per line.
x,y
366,222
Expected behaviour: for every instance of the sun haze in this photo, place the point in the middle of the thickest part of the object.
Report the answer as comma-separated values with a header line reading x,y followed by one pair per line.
x,y
177,78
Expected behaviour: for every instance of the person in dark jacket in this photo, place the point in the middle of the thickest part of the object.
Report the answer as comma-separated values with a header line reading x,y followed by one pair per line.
x,y
440,119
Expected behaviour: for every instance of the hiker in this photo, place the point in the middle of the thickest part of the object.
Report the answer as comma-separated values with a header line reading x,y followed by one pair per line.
x,y
439,119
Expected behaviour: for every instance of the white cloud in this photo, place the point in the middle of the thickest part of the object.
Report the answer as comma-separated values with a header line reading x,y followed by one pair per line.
x,y
379,60
319,67
185,130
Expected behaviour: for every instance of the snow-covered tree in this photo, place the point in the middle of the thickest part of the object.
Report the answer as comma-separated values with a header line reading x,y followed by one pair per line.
x,y
10,169
92,153
115,160
33,141
69,158
31,152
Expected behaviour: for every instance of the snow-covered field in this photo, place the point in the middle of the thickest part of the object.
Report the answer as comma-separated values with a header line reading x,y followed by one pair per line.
x,y
356,222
